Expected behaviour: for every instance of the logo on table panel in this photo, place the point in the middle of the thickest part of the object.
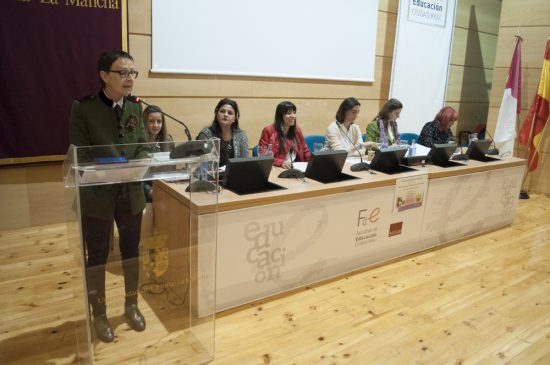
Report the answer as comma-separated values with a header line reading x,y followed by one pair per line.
x,y
367,230
275,243
395,229
508,197
266,253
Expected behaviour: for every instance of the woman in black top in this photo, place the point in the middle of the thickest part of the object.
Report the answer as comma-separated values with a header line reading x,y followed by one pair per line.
x,y
438,131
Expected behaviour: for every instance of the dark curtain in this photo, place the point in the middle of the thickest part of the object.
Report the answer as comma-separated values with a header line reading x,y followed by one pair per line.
x,y
48,59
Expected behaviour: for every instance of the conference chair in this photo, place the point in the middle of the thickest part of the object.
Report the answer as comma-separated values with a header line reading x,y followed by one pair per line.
x,y
255,150
311,140
408,137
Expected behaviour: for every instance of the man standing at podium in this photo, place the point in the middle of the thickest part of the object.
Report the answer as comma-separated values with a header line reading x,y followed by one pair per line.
x,y
107,118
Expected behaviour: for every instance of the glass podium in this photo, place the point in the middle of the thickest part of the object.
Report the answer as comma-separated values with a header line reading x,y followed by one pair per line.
x,y
172,278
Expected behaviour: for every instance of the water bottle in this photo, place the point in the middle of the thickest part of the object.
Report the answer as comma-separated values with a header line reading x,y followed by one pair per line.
x,y
412,148
269,151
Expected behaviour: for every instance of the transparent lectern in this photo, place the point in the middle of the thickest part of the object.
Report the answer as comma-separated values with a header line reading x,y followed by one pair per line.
x,y
177,267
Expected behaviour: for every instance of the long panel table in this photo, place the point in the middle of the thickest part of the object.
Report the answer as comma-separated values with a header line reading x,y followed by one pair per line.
x,y
273,242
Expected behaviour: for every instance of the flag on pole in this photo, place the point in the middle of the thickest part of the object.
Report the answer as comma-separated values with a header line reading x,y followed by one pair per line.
x,y
505,131
533,126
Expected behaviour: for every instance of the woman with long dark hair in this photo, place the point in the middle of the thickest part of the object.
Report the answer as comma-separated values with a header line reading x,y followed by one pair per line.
x,y
225,126
343,133
159,139
383,128
285,137
157,131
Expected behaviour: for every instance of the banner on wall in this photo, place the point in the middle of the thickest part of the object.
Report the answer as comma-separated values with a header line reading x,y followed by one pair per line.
x,y
53,48
421,59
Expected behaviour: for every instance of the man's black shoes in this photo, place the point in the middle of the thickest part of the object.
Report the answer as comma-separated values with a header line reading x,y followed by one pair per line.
x,y
103,329
135,318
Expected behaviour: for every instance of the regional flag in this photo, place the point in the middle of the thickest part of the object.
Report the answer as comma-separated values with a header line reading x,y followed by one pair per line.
x,y
538,114
505,131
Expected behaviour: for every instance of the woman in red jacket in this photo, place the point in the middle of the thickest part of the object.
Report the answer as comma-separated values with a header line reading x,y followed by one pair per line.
x,y
285,137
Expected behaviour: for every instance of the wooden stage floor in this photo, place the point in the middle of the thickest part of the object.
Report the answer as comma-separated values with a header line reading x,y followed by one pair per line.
x,y
485,300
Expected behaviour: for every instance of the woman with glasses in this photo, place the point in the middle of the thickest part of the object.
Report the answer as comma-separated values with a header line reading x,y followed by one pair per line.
x,y
285,137
107,118
225,126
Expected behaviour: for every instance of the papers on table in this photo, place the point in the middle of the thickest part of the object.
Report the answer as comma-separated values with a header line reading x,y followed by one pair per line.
x,y
112,173
300,166
420,150
353,160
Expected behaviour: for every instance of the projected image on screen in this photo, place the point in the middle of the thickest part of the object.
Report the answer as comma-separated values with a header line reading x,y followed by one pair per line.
x,y
300,39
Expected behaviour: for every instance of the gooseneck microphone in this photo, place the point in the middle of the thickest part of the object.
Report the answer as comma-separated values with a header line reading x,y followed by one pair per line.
x,y
494,150
361,166
292,173
137,100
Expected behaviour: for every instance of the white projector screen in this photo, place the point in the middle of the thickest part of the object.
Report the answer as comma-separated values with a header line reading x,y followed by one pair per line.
x,y
313,39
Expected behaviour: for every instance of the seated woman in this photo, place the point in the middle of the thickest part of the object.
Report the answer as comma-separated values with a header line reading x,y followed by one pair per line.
x,y
285,137
383,129
438,130
343,133
225,126
157,133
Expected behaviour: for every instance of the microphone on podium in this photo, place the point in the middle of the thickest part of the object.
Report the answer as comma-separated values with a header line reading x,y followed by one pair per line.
x,y
137,100
361,166
292,173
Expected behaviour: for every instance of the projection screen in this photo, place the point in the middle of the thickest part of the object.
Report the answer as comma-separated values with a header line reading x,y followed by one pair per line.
x,y
311,39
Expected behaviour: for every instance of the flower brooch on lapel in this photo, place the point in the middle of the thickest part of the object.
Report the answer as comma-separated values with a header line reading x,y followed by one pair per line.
x,y
131,123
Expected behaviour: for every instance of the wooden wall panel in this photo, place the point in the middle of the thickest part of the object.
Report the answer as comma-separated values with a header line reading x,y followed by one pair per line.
x,y
478,15
45,194
387,23
474,49
140,20
472,60
532,48
388,6
15,199
525,13
31,196
472,84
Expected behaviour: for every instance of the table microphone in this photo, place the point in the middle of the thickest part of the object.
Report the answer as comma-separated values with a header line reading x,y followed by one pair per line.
x,y
292,173
494,150
361,166
137,100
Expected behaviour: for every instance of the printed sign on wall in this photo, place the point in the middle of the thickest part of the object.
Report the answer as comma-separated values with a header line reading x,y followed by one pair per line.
x,y
431,12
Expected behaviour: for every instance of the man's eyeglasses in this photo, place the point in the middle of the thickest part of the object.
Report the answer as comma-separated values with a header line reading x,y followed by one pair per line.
x,y
125,74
